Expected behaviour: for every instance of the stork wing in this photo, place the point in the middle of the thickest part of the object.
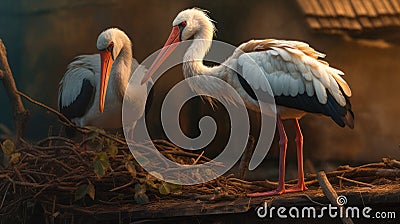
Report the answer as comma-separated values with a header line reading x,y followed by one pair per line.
x,y
77,89
298,78
292,68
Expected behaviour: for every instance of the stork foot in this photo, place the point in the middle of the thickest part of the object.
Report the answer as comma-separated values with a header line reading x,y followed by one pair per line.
x,y
298,187
267,193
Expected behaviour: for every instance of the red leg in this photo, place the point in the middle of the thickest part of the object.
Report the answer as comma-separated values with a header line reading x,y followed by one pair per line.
x,y
300,186
282,161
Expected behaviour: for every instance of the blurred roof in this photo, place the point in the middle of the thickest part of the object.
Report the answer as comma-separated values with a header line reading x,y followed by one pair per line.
x,y
352,16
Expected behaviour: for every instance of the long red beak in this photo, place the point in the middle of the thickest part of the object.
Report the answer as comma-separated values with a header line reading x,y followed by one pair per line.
x,y
106,64
168,48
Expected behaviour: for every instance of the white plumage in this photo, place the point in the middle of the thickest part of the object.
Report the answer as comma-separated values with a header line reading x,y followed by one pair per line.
x,y
300,81
79,89
290,71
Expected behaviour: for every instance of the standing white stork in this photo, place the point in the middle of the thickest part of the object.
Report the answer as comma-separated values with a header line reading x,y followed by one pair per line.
x,y
300,82
83,94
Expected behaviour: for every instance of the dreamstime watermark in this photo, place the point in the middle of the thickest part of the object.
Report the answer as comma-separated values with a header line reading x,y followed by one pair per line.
x,y
210,86
331,211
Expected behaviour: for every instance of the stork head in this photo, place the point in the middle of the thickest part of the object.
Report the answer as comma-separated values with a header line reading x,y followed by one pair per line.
x,y
187,24
191,22
109,43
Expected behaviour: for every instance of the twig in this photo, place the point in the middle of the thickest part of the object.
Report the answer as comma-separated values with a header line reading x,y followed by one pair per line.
x,y
123,186
12,181
66,121
198,158
184,153
391,162
362,172
354,181
5,129
60,115
21,115
53,210
5,194
19,174
54,138
331,194
264,183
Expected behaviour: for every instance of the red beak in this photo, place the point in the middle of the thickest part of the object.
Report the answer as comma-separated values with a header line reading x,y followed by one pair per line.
x,y
106,64
168,48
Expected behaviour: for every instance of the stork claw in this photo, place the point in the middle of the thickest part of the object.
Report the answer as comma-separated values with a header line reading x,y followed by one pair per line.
x,y
267,193
298,187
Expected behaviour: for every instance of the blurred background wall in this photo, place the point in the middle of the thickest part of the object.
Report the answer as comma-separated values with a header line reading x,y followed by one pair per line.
x,y
43,36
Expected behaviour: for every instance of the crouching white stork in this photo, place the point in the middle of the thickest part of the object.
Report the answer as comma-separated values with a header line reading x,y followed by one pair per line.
x,y
93,88
300,82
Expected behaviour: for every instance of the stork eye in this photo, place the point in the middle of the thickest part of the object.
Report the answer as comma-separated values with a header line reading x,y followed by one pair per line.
x,y
183,23
110,47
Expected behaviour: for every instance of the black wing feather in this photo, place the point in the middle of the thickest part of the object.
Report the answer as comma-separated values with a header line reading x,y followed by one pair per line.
x,y
81,104
342,115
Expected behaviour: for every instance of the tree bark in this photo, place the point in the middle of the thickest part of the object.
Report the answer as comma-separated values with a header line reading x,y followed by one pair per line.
x,y
20,114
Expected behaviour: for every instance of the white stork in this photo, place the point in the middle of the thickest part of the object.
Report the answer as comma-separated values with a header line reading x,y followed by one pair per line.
x,y
83,94
300,82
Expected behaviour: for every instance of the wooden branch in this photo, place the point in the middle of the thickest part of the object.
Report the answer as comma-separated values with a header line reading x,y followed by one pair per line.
x,y
391,162
60,115
65,120
331,194
355,181
21,115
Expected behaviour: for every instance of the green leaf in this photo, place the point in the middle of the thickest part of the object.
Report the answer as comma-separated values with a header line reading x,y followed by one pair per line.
x,y
92,135
131,168
14,158
85,189
151,184
8,146
91,191
141,198
155,175
113,150
164,188
98,168
81,191
174,188
103,158
167,188
96,129
140,188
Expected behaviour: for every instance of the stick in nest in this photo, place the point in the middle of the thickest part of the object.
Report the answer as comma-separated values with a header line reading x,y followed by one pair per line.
x,y
67,122
331,194
355,181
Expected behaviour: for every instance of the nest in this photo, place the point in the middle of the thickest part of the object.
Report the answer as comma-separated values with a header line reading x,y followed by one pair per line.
x,y
64,179
67,178
60,173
